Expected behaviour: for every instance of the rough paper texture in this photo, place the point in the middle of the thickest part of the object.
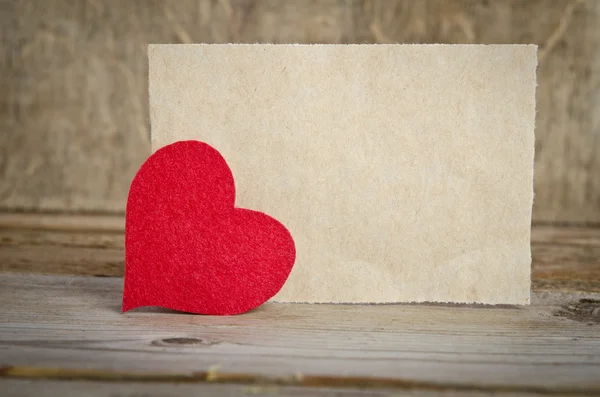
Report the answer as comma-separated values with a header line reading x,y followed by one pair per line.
x,y
403,172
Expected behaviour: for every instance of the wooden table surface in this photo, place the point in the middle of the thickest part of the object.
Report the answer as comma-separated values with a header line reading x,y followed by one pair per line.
x,y
62,332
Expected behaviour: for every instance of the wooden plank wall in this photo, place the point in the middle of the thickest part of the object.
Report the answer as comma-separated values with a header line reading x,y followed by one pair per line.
x,y
73,83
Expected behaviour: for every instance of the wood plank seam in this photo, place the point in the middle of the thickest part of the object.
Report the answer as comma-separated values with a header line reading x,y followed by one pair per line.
x,y
298,380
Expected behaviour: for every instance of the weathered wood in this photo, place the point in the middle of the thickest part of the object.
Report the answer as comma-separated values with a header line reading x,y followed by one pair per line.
x,y
62,222
564,258
54,259
74,324
561,235
29,387
36,387
73,97
62,335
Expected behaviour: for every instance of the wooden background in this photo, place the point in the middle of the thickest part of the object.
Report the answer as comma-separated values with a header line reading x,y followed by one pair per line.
x,y
73,83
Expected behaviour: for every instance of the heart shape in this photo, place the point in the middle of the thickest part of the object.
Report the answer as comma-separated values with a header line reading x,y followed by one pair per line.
x,y
188,248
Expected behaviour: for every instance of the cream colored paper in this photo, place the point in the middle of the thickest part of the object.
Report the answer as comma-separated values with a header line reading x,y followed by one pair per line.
x,y
403,172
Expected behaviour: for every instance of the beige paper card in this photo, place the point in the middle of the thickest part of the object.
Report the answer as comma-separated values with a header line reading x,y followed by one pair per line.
x,y
403,172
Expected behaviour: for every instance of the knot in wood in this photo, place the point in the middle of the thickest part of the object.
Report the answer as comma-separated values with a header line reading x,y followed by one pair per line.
x,y
182,341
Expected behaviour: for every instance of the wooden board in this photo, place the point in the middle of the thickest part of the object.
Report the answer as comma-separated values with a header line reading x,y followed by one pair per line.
x,y
32,387
564,258
73,97
64,335
72,327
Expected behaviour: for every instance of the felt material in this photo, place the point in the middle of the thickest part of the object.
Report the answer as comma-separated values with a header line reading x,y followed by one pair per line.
x,y
404,172
188,248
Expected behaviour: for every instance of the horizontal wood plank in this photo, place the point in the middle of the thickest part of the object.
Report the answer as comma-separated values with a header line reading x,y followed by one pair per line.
x,y
65,222
29,387
564,258
75,323
36,387
68,326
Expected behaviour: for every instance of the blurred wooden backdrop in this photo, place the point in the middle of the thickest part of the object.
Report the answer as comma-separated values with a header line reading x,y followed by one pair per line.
x,y
73,83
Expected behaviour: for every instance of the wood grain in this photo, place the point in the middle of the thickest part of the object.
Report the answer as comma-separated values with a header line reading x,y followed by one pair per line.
x,y
65,335
56,325
564,258
35,387
73,100
79,223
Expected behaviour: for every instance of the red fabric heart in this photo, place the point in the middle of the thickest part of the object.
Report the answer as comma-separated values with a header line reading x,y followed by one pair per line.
x,y
187,248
